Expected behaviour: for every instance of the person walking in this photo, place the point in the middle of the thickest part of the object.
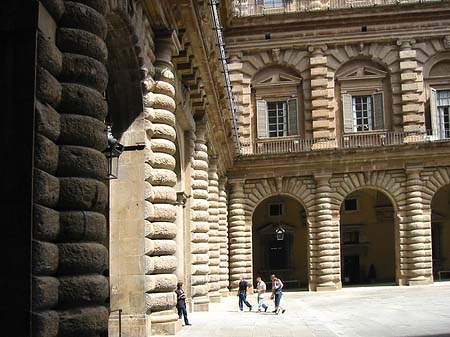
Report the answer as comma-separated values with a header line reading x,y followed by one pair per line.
x,y
277,293
242,293
181,303
261,289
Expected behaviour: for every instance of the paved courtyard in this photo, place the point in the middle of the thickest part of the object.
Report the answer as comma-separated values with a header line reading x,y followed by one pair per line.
x,y
382,311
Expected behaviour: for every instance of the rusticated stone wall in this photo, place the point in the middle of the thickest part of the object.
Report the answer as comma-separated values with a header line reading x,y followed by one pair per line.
x,y
160,209
199,221
69,259
223,235
410,190
240,237
214,239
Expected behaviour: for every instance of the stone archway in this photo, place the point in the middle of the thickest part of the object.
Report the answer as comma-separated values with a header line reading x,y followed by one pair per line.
x,y
440,231
368,238
285,254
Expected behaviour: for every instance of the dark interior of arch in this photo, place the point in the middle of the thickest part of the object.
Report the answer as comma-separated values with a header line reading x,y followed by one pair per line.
x,y
124,94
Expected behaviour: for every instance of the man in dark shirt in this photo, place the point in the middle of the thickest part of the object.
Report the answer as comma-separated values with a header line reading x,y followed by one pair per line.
x,y
181,303
242,293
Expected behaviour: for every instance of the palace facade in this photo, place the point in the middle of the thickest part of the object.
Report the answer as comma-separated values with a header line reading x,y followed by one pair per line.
x,y
306,138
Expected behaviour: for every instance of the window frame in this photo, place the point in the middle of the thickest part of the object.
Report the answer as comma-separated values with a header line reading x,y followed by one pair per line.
x,y
282,208
351,210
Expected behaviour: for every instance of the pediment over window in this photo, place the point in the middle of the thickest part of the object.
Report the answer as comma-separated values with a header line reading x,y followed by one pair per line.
x,y
362,72
275,76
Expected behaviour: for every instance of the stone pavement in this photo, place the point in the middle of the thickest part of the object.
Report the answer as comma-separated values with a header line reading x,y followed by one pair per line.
x,y
377,311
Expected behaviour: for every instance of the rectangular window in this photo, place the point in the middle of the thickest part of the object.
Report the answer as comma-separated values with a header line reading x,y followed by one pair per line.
x,y
362,113
277,115
273,3
350,204
275,209
443,106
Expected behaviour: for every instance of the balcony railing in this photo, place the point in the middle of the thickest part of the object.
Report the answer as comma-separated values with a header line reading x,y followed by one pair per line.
x,y
242,8
348,141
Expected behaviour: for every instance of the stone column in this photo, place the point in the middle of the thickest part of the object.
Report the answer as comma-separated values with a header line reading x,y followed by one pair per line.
x,y
414,234
160,208
214,238
223,234
323,124
324,254
240,237
69,257
199,221
411,91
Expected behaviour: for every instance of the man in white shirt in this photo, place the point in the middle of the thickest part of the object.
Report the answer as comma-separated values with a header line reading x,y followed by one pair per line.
x,y
261,289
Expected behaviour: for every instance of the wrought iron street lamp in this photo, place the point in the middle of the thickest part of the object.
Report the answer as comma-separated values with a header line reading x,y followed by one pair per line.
x,y
112,153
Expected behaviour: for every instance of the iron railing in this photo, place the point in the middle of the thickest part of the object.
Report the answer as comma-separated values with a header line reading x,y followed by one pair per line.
x,y
242,8
295,144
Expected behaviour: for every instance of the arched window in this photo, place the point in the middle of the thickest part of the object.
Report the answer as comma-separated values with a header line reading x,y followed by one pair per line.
x,y
363,90
276,102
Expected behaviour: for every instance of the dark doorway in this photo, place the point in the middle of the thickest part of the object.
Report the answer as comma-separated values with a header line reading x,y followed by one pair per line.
x,y
278,252
351,270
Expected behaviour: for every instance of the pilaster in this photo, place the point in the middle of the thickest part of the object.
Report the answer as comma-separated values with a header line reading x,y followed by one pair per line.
x,y
223,235
411,90
415,253
161,197
322,93
214,239
199,221
324,250
240,236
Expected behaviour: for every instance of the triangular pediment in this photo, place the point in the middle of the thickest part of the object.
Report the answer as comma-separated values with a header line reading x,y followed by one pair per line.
x,y
362,72
277,78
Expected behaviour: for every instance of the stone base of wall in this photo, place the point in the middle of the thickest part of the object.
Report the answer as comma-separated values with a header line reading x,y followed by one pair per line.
x,y
328,287
421,282
132,326
198,307
216,298
170,328
224,293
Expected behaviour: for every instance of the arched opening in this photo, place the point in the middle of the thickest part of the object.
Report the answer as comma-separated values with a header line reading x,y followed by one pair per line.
x,y
126,193
367,234
280,241
440,231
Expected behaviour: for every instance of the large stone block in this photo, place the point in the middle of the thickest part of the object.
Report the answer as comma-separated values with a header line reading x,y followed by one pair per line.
x,y
79,290
82,258
82,226
84,70
82,42
46,188
80,16
48,89
82,100
78,161
45,223
45,154
48,56
45,292
47,121
45,258
87,321
83,131
160,230
160,301
45,323
82,193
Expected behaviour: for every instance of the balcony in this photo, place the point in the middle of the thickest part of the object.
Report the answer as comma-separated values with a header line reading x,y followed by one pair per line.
x,y
348,141
244,8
